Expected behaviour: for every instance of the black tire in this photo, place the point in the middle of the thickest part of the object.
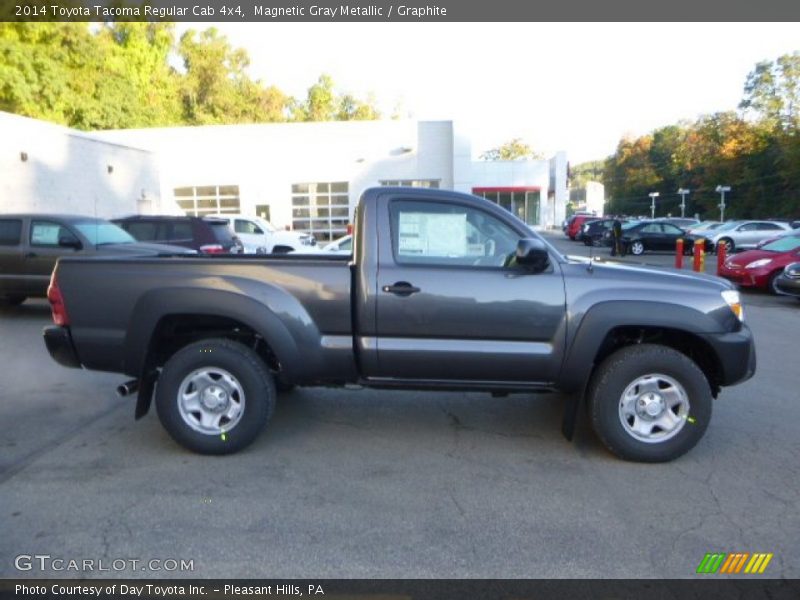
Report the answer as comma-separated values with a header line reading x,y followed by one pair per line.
x,y
621,370
282,250
12,300
636,247
250,373
771,284
730,245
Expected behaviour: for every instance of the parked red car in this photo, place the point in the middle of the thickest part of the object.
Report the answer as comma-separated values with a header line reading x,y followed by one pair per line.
x,y
575,223
761,267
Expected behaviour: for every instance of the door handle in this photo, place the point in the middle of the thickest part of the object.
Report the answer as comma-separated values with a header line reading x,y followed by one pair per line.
x,y
400,288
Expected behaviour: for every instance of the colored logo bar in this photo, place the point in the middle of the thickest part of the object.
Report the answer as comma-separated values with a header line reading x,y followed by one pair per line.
x,y
734,563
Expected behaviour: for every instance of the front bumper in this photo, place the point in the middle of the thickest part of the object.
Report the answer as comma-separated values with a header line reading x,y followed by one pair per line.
x,y
745,277
736,352
59,344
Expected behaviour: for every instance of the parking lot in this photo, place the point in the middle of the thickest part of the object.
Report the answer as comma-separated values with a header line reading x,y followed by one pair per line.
x,y
363,483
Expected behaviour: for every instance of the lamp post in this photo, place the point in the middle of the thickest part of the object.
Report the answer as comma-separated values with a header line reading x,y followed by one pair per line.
x,y
721,189
683,192
653,196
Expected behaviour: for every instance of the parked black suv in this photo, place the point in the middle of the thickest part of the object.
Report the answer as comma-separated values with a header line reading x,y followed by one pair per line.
x,y
30,245
207,235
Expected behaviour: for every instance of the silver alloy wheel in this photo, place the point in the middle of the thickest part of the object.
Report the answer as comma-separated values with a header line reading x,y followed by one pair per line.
x,y
654,408
211,400
637,248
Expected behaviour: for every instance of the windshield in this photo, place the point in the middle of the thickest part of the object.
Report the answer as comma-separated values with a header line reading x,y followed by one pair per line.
x,y
727,226
630,224
784,244
100,233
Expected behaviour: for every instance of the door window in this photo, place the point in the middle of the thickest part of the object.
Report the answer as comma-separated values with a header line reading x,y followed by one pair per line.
x,y
652,228
247,227
143,231
10,232
434,233
46,233
671,229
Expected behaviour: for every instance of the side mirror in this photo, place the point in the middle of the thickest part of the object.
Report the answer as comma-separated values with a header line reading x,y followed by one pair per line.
x,y
67,240
532,254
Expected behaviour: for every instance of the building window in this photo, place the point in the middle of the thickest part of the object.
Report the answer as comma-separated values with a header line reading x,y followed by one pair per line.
x,y
422,183
208,199
321,209
521,201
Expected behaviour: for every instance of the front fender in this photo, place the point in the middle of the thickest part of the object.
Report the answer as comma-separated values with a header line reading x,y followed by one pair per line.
x,y
601,318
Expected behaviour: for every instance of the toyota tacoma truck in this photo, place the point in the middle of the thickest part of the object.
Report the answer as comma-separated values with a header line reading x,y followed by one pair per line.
x,y
443,291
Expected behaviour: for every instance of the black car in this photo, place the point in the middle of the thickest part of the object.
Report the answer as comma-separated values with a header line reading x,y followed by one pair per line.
x,y
593,233
789,281
207,235
30,245
641,236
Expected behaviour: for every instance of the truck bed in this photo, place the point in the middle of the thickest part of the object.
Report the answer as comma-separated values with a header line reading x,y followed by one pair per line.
x,y
112,300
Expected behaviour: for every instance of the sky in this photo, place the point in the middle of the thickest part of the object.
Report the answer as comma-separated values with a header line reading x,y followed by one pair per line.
x,y
577,87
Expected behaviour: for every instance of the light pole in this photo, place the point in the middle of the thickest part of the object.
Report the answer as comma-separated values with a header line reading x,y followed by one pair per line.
x,y
721,189
653,196
683,192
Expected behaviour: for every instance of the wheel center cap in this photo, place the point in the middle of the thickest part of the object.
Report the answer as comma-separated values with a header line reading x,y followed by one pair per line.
x,y
214,398
650,404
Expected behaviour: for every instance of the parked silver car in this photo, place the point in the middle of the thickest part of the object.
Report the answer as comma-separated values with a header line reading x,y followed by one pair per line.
x,y
739,235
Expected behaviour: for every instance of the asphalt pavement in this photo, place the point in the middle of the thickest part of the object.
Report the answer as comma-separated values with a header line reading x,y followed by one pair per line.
x,y
363,483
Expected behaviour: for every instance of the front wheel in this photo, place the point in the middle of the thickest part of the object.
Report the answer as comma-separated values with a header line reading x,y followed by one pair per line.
x,y
729,244
215,396
649,403
637,248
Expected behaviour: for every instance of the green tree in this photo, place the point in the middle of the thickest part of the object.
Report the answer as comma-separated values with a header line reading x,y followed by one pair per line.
x,y
772,92
514,149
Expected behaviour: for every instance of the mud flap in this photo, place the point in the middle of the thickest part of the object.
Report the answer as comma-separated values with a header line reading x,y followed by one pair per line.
x,y
570,419
147,384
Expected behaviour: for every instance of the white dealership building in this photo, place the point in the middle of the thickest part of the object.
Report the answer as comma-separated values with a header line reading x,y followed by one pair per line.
x,y
306,176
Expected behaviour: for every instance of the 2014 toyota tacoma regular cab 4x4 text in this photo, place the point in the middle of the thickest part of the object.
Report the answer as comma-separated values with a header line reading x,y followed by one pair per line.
x,y
444,291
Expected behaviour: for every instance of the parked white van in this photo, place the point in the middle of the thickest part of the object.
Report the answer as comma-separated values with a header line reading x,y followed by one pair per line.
x,y
259,236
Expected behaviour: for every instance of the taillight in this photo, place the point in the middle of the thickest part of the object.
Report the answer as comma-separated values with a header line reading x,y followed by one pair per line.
x,y
212,249
57,307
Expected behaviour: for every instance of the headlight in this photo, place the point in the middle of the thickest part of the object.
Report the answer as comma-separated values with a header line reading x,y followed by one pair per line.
x,y
758,263
734,301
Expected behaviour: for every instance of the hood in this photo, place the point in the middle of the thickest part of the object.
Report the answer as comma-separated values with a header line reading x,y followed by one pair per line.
x,y
143,249
643,276
744,258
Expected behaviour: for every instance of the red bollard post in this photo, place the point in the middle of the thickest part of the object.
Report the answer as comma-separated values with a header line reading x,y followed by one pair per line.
x,y
699,256
679,253
722,252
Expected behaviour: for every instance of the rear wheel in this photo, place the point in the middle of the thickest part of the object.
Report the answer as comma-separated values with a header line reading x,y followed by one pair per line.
x,y
12,300
215,396
649,403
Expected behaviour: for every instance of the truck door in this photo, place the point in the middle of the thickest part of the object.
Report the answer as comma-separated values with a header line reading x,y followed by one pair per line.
x,y
43,251
448,305
11,273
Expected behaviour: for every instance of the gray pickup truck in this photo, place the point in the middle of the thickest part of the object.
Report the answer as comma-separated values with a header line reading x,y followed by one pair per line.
x,y
444,291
